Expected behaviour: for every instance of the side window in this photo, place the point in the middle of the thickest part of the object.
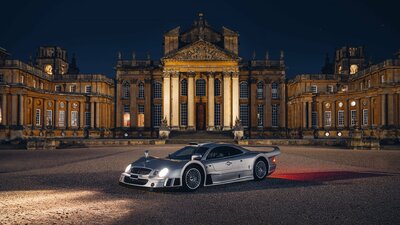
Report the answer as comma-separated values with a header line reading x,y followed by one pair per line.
x,y
223,151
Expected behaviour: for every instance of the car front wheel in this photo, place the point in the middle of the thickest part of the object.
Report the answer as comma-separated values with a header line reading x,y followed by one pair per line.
x,y
192,179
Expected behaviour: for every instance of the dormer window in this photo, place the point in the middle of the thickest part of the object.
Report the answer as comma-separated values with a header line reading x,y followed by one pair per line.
x,y
314,89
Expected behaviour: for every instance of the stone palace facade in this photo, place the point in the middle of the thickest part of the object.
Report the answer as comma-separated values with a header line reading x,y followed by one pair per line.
x,y
200,83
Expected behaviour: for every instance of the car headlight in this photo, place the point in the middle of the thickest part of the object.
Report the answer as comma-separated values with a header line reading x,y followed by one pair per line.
x,y
128,168
163,172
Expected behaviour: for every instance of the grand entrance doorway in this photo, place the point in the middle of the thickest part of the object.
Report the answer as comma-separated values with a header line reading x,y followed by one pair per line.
x,y
200,116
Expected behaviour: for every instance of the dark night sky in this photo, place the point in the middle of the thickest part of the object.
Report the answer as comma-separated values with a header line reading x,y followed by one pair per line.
x,y
305,30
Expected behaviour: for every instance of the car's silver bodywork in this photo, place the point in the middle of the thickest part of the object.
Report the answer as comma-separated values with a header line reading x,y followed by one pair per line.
x,y
144,171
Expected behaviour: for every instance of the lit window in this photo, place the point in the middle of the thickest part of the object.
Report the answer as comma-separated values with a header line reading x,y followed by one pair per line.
x,y
244,114
72,88
353,117
126,90
260,115
327,118
157,115
365,117
382,79
369,83
244,90
140,115
49,118
88,89
275,115
274,90
200,87
217,87
353,69
341,118
37,117
41,85
61,118
127,116
87,119
58,88
141,90
74,118
260,90
184,90
34,83
330,88
314,89
314,119
157,90
22,79
184,121
217,114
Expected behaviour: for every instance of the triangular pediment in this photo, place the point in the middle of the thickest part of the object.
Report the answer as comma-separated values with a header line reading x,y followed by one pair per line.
x,y
199,51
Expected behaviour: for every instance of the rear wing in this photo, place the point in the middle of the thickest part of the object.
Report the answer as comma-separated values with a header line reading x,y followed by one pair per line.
x,y
272,150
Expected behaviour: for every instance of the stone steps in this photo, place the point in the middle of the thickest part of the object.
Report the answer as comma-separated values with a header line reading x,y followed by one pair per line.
x,y
201,135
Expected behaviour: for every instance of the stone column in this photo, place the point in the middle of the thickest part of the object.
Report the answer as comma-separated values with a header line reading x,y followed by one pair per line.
x,y
383,109
82,111
333,114
282,105
320,115
21,110
235,96
92,115
167,97
175,101
191,106
147,104
97,115
304,115
133,106
310,114
390,109
55,114
268,105
211,98
14,109
227,101
118,107
4,109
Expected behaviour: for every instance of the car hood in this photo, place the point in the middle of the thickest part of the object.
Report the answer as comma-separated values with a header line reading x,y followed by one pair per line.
x,y
159,163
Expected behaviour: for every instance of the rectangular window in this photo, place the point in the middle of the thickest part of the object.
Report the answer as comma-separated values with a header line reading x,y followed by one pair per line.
x,y
74,118
61,118
274,92
184,119
330,88
41,85
327,118
217,114
244,114
365,117
157,115
1,78
126,116
369,83
88,89
340,121
314,89
260,115
140,115
87,119
37,117
57,88
22,79
382,79
353,117
314,119
275,115
49,118
72,88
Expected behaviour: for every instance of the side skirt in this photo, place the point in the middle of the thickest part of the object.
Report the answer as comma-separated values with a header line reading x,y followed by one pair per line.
x,y
231,181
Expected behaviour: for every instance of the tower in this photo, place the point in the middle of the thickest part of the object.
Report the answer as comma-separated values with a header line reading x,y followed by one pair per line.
x,y
349,60
52,60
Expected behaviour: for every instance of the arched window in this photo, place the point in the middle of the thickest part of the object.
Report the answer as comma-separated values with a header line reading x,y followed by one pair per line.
x,y
157,90
200,87
260,90
141,89
184,90
244,90
126,89
274,90
217,87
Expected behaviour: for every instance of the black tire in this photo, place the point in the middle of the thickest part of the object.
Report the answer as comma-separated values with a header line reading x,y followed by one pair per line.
x,y
192,178
260,169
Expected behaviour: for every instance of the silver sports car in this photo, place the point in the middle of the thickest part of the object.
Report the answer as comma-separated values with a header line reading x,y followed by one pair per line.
x,y
198,165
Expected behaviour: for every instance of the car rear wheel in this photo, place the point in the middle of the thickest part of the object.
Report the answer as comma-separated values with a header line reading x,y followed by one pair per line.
x,y
192,179
260,169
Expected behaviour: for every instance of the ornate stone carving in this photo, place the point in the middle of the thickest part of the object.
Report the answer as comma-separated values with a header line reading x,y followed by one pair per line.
x,y
202,51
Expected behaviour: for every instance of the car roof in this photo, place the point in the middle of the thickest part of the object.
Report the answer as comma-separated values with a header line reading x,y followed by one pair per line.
x,y
211,144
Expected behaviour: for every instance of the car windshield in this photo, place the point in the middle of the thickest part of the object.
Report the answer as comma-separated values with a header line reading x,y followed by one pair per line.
x,y
187,152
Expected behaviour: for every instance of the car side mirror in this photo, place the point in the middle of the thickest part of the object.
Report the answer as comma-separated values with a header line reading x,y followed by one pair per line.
x,y
196,157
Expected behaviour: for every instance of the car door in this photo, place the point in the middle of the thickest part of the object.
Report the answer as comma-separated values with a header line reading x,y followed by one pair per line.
x,y
223,163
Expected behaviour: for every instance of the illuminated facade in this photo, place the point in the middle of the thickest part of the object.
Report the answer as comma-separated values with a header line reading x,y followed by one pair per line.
x,y
200,83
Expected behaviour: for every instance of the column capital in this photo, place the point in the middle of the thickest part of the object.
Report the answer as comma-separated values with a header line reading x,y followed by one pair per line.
x,y
175,74
191,74
134,80
166,74
226,74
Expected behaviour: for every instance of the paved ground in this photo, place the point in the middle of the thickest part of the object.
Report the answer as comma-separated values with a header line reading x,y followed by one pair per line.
x,y
310,186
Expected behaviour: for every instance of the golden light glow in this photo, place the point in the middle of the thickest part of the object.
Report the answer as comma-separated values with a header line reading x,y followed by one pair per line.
x,y
127,120
48,69
353,69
